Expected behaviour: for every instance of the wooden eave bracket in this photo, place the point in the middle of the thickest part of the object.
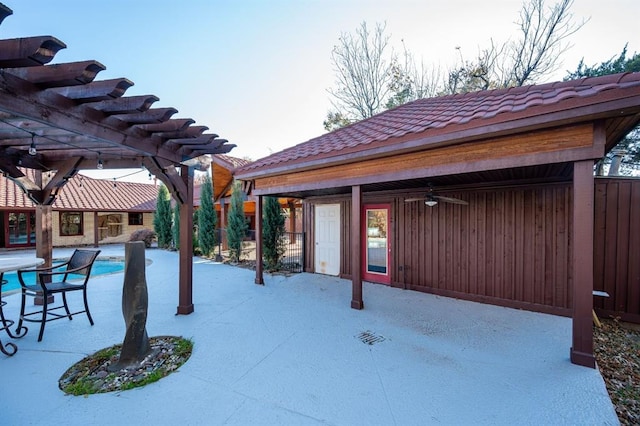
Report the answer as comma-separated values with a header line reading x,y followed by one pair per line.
x,y
226,189
168,175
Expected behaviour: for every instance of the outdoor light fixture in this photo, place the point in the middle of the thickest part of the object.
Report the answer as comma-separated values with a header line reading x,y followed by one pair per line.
x,y
115,186
32,148
431,202
100,164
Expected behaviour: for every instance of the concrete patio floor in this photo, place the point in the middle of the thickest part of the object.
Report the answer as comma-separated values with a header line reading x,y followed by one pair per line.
x,y
290,353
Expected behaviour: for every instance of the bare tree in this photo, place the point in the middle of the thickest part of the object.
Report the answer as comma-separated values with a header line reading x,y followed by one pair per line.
x,y
362,65
370,77
543,38
410,81
481,73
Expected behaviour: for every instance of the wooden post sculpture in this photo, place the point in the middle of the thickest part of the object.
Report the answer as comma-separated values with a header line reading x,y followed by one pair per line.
x,y
134,308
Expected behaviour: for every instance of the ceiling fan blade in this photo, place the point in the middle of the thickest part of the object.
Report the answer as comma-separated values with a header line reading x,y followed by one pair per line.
x,y
408,200
450,200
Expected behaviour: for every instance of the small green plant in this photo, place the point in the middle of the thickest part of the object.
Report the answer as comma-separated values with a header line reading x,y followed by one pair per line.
x,y
91,375
183,347
83,386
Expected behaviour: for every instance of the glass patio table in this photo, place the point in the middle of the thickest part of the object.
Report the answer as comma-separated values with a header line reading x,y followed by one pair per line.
x,y
13,263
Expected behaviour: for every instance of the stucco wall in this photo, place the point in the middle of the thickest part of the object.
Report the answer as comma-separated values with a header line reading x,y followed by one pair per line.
x,y
87,237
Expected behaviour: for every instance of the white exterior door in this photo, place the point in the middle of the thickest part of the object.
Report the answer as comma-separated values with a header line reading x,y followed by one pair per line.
x,y
327,234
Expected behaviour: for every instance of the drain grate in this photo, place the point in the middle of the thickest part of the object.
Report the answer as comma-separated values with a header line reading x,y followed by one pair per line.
x,y
370,338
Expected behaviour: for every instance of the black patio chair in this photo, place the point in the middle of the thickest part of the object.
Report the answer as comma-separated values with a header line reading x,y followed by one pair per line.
x,y
48,283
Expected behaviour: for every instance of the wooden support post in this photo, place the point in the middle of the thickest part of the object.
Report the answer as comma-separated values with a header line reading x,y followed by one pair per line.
x,y
259,274
44,241
356,252
185,298
292,221
582,264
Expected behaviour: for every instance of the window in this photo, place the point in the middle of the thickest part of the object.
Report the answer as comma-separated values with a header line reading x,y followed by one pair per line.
x,y
70,223
135,219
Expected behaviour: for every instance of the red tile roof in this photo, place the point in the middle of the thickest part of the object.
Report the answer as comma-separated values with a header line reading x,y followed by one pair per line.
x,y
84,193
229,161
445,115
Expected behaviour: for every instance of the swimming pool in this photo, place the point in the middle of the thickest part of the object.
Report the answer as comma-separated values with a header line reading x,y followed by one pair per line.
x,y
102,266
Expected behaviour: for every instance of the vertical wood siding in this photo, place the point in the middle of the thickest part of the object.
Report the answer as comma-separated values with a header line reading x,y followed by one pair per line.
x,y
617,247
508,246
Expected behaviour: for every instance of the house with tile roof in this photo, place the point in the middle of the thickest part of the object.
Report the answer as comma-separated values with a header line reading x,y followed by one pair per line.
x,y
86,212
487,196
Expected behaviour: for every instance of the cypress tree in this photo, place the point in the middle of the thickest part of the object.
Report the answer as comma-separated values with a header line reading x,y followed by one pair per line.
x,y
237,224
176,227
207,219
272,233
162,218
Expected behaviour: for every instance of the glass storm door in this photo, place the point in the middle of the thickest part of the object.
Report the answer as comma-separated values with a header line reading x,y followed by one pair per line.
x,y
376,245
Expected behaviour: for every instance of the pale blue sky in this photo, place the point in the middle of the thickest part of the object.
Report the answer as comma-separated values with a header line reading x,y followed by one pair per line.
x,y
256,72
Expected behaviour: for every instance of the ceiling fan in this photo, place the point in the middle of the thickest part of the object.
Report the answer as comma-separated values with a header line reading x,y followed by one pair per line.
x,y
431,199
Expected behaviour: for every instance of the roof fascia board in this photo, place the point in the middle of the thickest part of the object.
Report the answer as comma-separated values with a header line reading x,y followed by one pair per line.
x,y
445,169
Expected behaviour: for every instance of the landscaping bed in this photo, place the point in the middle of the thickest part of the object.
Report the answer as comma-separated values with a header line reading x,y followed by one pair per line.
x,y
617,351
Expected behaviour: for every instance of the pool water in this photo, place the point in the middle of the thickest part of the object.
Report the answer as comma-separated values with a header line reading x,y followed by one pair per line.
x,y
100,267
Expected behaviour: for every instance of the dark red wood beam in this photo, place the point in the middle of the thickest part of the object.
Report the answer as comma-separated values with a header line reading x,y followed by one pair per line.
x,y
29,52
259,261
200,140
54,112
189,132
582,264
59,75
153,115
95,91
4,12
185,297
356,249
124,105
172,125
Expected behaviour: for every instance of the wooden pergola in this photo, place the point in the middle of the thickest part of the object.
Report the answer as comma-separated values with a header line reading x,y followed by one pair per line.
x,y
57,120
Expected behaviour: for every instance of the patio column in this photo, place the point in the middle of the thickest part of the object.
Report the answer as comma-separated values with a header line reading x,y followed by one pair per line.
x,y
44,241
356,250
292,221
582,242
185,298
259,274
